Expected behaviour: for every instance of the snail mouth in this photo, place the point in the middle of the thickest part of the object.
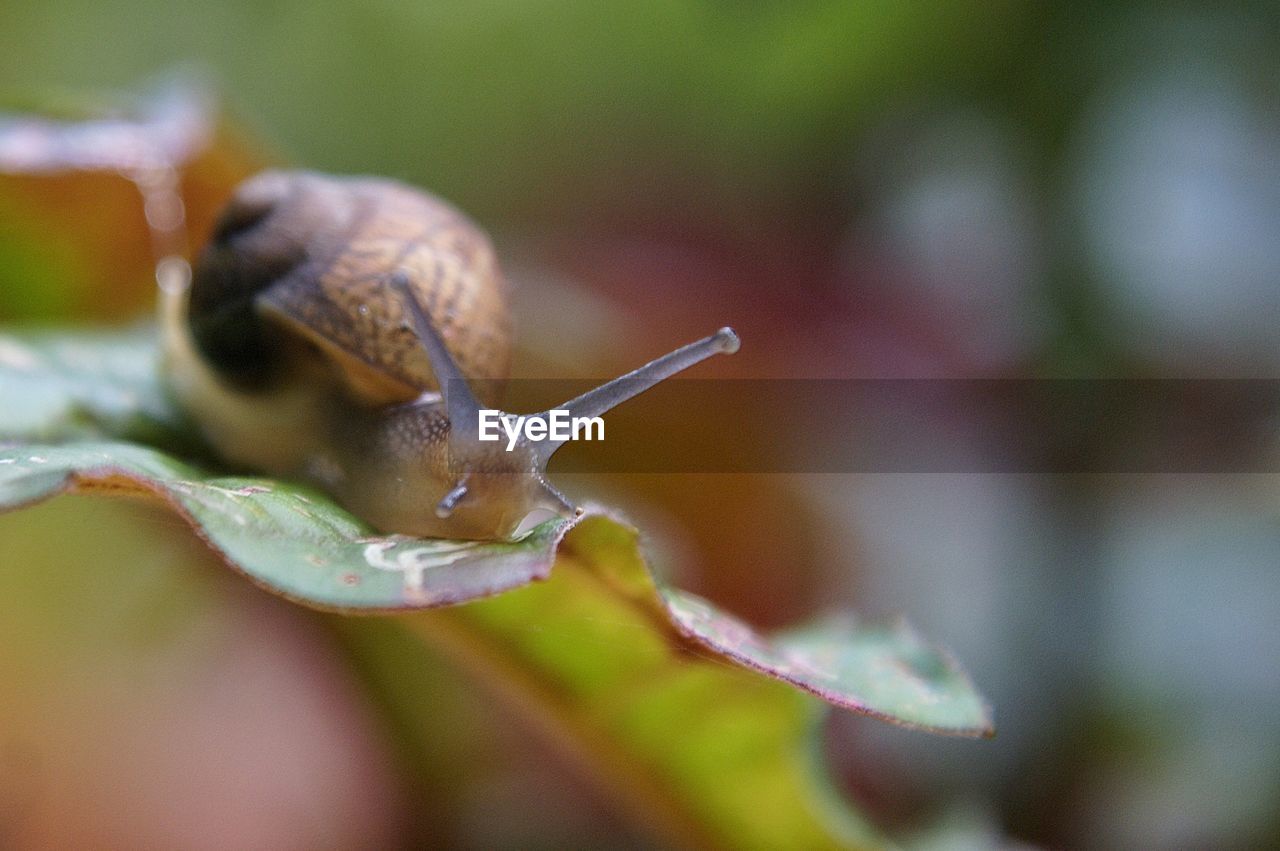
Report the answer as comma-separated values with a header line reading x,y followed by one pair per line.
x,y
512,498
511,473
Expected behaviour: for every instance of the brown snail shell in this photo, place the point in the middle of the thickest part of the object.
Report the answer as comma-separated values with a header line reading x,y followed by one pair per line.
x,y
299,256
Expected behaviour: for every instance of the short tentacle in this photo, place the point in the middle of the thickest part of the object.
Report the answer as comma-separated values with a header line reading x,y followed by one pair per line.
x,y
450,500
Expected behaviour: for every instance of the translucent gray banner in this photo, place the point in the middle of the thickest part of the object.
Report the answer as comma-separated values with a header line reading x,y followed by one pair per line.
x,y
926,426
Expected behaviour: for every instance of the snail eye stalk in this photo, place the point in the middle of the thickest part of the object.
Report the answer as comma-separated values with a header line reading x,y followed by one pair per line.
x,y
611,394
464,411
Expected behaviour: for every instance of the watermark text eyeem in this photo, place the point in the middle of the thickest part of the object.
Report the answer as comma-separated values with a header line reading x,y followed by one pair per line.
x,y
556,425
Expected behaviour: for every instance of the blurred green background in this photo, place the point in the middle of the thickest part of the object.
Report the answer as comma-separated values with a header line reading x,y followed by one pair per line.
x,y
862,189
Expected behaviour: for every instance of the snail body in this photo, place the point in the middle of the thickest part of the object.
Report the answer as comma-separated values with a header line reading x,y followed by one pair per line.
x,y
327,332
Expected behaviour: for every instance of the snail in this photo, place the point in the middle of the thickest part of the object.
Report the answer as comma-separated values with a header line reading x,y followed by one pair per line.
x,y
327,332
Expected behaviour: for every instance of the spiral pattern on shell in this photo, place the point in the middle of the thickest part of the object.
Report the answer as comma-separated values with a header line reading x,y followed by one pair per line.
x,y
300,262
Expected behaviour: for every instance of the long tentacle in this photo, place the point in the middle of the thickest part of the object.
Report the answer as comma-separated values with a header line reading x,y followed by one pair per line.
x,y
614,393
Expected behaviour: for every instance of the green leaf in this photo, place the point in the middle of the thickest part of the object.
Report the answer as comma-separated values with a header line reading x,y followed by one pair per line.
x,y
295,542
638,675
290,539
59,387
654,687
